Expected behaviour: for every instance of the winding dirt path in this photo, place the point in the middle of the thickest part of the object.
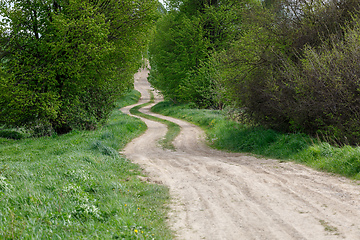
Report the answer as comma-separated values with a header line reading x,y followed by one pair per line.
x,y
219,195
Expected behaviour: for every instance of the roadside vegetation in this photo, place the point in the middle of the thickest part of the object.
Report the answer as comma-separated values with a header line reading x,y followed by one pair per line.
x,y
77,186
229,135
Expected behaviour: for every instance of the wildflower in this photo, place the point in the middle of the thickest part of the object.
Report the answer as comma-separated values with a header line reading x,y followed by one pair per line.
x,y
125,205
136,231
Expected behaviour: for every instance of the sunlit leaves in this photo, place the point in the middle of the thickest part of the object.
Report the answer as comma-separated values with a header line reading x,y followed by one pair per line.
x,y
67,61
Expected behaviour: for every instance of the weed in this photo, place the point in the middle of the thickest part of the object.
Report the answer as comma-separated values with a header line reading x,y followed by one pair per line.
x,y
328,227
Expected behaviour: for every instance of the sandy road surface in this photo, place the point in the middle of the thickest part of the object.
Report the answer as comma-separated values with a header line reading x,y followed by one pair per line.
x,y
220,195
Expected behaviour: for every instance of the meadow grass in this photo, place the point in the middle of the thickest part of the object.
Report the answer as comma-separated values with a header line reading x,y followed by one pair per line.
x,y
77,186
225,134
173,128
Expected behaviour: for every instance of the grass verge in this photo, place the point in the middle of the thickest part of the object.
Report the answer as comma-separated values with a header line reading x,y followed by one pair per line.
x,y
173,128
77,186
228,135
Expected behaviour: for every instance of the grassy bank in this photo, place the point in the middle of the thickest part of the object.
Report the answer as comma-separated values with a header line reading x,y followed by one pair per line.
x,y
77,186
228,135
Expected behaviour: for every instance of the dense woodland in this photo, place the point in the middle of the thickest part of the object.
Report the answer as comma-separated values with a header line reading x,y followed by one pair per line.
x,y
291,65
65,62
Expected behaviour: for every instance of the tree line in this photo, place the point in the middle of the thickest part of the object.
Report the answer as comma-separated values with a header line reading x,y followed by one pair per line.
x,y
63,63
287,65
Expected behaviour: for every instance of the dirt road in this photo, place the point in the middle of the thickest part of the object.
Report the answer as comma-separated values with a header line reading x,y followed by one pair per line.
x,y
219,195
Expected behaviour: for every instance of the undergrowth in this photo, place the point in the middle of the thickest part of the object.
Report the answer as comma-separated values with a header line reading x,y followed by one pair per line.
x,y
225,134
77,186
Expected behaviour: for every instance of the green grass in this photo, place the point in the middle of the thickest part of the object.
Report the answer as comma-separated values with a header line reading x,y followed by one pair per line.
x,y
228,135
129,99
77,186
173,128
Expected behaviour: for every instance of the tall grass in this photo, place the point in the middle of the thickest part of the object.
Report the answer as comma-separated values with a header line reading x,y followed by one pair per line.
x,y
77,186
225,134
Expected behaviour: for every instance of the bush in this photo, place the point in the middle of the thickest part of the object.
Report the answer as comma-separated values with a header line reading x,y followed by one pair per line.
x,y
299,73
11,134
325,97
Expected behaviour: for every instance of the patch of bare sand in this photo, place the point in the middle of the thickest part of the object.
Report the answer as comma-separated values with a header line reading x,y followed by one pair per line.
x,y
219,195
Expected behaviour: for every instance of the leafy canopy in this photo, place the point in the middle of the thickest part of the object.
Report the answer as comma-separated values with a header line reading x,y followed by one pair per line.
x,y
185,41
64,62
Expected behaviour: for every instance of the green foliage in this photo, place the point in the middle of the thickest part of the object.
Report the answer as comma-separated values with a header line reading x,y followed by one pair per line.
x,y
326,92
226,134
11,134
293,69
325,89
181,52
77,186
286,65
178,48
64,63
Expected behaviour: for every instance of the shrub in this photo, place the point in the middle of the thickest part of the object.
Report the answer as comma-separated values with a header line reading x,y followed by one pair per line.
x,y
299,72
11,134
325,89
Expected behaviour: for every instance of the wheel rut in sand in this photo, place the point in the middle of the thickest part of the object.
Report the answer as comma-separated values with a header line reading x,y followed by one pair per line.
x,y
219,195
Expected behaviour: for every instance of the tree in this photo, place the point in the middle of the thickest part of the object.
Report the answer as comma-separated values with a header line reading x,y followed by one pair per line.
x,y
185,40
178,49
65,62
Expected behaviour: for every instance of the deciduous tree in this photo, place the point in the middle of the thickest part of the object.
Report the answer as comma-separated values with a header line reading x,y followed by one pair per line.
x,y
65,62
